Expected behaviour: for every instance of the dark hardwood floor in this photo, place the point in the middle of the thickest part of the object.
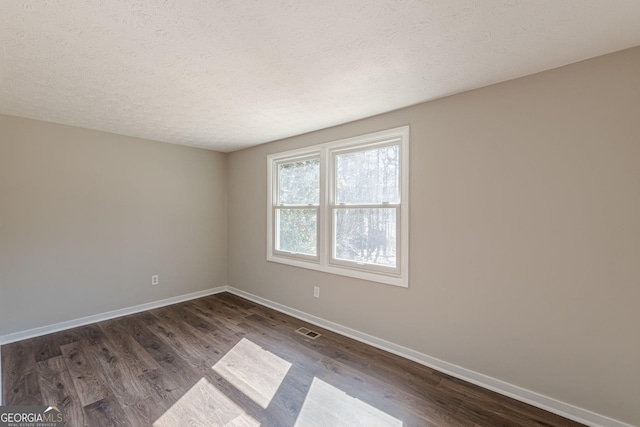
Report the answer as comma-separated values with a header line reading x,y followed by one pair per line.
x,y
222,360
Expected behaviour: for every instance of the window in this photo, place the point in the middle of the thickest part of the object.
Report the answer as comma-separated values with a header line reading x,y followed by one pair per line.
x,y
296,207
342,207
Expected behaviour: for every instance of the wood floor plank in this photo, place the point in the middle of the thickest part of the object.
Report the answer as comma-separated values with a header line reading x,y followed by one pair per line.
x,y
48,346
24,391
234,300
87,377
144,412
166,390
20,384
58,389
223,360
91,334
203,323
197,352
220,410
245,402
135,357
119,376
224,316
181,372
106,413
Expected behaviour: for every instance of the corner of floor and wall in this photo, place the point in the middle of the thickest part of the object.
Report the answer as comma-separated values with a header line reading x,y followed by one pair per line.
x,y
524,236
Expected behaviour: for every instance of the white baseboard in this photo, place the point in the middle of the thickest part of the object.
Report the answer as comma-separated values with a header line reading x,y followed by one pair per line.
x,y
555,406
56,327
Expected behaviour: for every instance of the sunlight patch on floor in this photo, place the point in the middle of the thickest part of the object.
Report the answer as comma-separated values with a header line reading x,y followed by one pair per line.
x,y
326,405
205,405
254,371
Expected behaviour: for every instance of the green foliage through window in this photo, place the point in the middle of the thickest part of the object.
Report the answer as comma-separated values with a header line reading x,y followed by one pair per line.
x,y
299,182
297,231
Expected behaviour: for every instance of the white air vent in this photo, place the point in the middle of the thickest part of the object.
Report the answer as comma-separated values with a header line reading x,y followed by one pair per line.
x,y
308,333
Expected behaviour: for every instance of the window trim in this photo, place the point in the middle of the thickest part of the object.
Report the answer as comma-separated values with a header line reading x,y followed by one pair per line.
x,y
326,152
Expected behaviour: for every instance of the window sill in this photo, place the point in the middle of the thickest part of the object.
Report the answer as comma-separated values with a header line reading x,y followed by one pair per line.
x,y
342,271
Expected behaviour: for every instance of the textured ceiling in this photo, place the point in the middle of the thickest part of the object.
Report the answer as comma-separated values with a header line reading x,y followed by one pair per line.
x,y
230,74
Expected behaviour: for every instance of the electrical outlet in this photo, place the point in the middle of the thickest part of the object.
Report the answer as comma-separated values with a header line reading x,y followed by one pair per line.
x,y
155,279
316,291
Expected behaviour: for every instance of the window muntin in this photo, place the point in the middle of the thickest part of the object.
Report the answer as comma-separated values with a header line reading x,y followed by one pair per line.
x,y
342,207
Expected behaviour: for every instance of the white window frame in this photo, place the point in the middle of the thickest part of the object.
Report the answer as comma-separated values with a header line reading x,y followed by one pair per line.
x,y
275,207
325,262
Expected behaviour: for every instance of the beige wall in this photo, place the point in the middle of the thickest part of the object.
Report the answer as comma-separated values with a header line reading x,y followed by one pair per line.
x,y
525,235
87,217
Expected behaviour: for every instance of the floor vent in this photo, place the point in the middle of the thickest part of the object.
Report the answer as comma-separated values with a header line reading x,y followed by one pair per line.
x,y
308,333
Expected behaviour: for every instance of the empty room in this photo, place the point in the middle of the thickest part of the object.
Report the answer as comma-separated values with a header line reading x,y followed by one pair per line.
x,y
341,213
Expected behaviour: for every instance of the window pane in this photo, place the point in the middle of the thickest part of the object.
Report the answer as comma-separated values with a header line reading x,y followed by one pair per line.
x,y
296,231
366,235
299,182
370,176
